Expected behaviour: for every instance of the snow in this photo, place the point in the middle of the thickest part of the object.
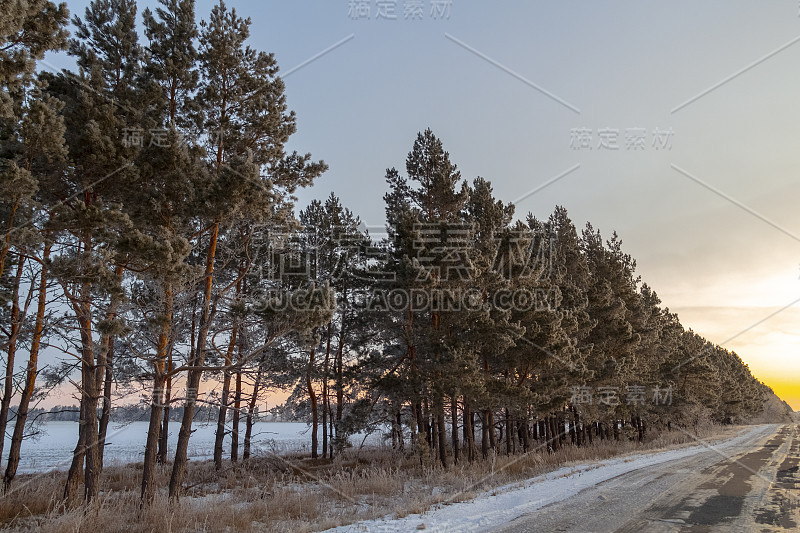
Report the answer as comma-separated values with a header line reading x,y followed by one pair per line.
x,y
501,505
53,447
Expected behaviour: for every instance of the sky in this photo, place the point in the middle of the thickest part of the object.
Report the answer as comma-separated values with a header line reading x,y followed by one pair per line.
x,y
674,124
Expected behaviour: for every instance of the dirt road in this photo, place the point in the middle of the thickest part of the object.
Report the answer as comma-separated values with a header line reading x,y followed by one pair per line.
x,y
752,485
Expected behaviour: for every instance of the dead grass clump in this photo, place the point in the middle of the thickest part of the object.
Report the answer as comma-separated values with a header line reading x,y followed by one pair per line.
x,y
30,496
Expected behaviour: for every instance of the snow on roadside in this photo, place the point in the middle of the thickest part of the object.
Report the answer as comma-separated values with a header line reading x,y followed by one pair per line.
x,y
503,504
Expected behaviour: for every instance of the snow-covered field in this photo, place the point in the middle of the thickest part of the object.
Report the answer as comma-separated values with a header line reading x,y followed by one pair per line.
x,y
53,448
501,505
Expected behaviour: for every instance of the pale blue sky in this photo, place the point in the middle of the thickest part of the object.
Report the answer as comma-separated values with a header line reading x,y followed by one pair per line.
x,y
623,64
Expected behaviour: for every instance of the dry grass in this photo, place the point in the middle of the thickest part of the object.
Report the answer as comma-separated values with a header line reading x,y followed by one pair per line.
x,y
296,494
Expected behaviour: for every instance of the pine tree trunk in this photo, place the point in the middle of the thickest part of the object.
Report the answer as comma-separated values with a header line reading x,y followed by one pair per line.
x,y
153,430
219,438
442,433
163,439
485,433
91,375
428,426
473,443
466,417
525,435
433,426
394,431
105,376
92,372
330,429
194,374
251,408
573,433
399,419
508,431
163,442
222,416
312,396
91,392
419,420
339,364
492,436
76,467
325,424
105,413
30,376
14,327
325,403
237,410
157,404
454,428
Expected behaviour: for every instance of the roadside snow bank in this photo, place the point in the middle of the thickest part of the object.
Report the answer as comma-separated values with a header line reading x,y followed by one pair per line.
x,y
503,504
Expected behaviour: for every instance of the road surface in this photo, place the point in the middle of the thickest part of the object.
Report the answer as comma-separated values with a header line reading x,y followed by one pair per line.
x,y
751,485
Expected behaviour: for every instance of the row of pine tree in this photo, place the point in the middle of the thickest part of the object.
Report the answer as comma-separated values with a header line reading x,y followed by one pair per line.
x,y
150,238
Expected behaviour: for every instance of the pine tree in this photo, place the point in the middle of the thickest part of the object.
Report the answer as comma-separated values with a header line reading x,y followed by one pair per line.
x,y
172,174
31,139
44,157
107,51
245,118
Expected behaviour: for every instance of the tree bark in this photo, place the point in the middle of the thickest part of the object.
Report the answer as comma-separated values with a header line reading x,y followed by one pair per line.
x,y
509,433
30,376
91,375
163,439
223,403
526,445
237,411
442,433
432,418
150,451
485,433
325,402
420,422
330,429
490,426
194,374
251,407
157,402
106,377
454,428
8,385
90,396
465,416
312,396
426,418
75,468
339,364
